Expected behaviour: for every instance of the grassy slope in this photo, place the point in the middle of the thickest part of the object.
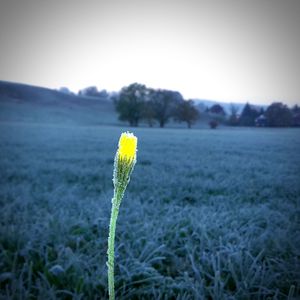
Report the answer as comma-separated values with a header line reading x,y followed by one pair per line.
x,y
25,103
208,214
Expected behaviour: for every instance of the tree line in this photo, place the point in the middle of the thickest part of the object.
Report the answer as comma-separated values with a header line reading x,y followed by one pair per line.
x,y
137,102
276,114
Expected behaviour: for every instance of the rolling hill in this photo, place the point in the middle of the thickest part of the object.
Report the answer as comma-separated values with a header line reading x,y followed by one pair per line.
x,y
27,103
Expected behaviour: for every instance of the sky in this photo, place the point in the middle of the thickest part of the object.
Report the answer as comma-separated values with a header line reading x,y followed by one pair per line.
x,y
224,50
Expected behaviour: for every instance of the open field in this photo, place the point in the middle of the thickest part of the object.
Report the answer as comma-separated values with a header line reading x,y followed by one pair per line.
x,y
207,215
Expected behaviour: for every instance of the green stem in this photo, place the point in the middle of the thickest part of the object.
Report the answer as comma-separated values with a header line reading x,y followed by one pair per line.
x,y
111,245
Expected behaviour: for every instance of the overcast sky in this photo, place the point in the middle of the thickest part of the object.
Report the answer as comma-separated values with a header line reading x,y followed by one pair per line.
x,y
233,50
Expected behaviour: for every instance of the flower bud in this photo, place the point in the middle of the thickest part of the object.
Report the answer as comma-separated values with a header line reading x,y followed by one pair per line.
x,y
125,160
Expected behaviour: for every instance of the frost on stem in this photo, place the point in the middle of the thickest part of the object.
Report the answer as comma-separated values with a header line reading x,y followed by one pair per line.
x,y
125,160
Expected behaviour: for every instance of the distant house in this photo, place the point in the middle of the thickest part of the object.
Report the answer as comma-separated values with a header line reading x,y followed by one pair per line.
x,y
261,121
217,109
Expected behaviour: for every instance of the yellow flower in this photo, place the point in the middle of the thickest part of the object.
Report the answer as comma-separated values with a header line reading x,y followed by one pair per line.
x,y
125,160
127,146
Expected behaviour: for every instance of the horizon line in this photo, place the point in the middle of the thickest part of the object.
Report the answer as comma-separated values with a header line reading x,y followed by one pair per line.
x,y
185,98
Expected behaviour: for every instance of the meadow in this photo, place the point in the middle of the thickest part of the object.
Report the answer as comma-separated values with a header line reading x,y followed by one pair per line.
x,y
208,214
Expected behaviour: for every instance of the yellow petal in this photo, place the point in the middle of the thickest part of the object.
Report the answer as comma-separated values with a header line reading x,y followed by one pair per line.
x,y
127,146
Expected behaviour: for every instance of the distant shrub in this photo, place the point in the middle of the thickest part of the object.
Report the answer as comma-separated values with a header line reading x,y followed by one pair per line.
x,y
213,124
92,91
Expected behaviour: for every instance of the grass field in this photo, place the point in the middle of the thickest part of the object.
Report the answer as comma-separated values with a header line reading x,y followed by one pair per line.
x,y
207,215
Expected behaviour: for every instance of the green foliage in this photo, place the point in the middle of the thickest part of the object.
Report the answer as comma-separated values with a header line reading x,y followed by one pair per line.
x,y
92,91
233,117
278,115
164,104
209,216
248,116
149,113
296,115
186,112
130,103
